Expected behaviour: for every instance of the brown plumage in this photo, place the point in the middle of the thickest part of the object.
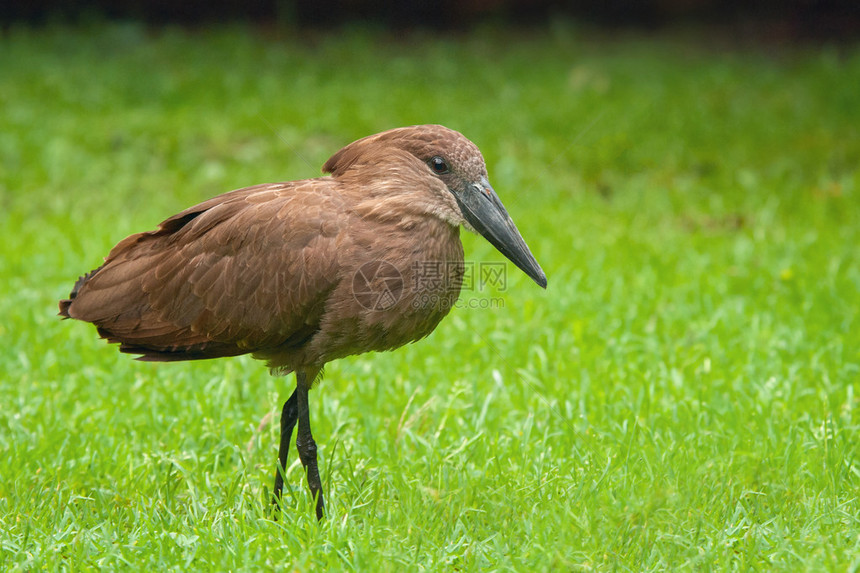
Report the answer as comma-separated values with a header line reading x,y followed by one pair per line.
x,y
305,272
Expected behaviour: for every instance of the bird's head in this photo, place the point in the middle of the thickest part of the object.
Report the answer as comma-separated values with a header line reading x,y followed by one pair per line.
x,y
448,158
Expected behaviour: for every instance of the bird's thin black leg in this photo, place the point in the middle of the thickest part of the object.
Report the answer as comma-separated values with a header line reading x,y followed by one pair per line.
x,y
305,442
289,415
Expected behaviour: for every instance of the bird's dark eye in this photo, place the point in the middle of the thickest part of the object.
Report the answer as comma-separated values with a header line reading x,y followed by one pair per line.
x,y
438,165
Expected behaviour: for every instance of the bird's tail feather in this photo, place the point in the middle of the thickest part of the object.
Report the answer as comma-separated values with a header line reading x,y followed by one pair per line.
x,y
67,302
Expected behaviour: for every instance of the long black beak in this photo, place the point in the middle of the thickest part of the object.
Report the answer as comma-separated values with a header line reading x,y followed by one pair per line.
x,y
484,211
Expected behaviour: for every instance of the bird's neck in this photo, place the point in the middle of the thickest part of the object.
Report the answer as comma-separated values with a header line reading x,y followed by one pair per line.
x,y
403,201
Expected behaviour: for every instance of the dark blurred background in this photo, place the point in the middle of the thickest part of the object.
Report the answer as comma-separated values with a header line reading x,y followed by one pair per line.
x,y
784,20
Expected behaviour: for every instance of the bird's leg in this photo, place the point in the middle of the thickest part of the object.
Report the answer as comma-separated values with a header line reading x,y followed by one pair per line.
x,y
305,442
289,415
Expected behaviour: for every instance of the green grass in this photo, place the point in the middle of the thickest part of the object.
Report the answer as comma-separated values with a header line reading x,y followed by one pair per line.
x,y
684,394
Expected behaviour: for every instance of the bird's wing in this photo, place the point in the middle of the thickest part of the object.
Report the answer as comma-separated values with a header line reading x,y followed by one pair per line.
x,y
244,271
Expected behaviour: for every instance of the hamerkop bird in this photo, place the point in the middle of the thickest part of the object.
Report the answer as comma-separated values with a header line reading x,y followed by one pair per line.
x,y
305,272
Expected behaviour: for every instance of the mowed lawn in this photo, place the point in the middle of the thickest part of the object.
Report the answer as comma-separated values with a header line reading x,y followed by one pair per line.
x,y
684,395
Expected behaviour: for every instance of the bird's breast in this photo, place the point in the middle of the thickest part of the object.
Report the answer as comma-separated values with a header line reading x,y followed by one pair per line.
x,y
395,287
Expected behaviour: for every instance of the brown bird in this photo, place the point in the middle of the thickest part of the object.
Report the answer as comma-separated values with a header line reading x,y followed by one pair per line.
x,y
305,272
